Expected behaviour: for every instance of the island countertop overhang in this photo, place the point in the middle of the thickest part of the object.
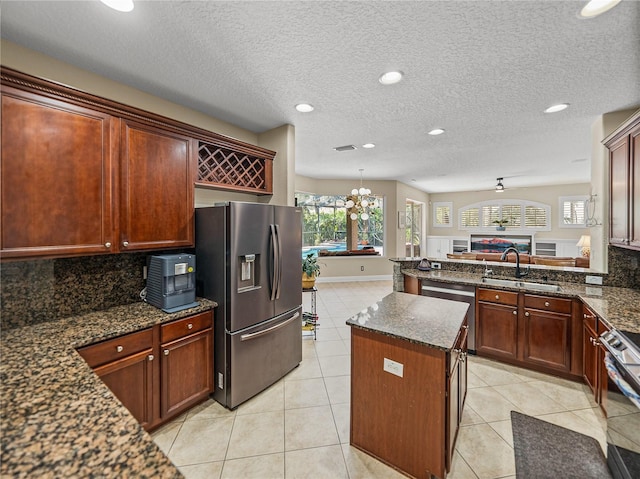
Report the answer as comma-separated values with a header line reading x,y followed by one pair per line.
x,y
431,322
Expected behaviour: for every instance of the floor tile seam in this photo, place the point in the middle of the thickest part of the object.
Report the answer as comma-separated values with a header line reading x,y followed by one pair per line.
x,y
173,441
520,409
226,451
465,461
252,455
557,402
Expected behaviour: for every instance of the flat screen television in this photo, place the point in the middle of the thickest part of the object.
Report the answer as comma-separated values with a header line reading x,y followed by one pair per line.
x,y
499,243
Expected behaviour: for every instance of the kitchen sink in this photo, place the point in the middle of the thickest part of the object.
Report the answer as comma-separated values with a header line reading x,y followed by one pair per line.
x,y
514,283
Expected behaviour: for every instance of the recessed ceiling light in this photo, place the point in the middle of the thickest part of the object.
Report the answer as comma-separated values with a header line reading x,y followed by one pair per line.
x,y
304,107
436,131
390,78
597,7
120,5
556,108
368,145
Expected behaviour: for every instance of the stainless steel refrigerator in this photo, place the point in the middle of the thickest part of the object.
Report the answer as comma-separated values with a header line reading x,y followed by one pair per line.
x,y
250,262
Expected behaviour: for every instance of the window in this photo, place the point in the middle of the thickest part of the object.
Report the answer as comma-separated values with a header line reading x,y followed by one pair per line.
x,y
518,215
442,214
573,211
324,223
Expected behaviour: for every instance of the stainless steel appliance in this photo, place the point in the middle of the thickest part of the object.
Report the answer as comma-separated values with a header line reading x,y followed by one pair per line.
x,y
171,284
623,403
456,292
250,263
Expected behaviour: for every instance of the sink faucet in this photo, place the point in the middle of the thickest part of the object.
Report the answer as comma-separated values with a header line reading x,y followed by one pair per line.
x,y
519,274
487,271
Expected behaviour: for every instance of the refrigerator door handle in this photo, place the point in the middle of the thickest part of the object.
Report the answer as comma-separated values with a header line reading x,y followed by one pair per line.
x,y
275,253
247,337
279,259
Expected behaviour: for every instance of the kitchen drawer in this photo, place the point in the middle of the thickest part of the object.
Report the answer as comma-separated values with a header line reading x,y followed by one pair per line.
x,y
498,296
546,303
589,317
186,326
117,348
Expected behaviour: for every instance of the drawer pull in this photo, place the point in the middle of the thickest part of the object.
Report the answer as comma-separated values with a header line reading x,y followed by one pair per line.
x,y
119,349
546,303
107,245
526,313
166,352
189,326
466,326
125,243
150,357
497,296
515,311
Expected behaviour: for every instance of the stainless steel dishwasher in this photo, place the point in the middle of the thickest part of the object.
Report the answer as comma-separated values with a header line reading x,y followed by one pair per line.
x,y
455,292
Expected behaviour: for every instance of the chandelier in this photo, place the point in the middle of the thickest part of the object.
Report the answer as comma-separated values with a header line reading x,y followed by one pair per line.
x,y
359,200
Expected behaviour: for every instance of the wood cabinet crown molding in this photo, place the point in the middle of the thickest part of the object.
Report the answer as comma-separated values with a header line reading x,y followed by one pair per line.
x,y
623,129
58,90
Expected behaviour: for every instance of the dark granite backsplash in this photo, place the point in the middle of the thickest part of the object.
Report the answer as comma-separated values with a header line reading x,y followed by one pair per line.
x,y
44,290
624,268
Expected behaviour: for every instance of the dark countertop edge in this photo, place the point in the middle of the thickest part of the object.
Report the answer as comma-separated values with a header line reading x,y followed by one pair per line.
x,y
568,290
402,338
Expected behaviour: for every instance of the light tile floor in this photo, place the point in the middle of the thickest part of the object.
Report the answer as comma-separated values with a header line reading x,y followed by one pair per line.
x,y
299,427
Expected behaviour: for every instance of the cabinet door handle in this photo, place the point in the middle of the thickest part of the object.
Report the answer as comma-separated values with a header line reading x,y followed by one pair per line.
x,y
150,357
125,243
546,303
526,313
515,312
107,245
166,352
189,326
585,315
497,296
466,326
119,349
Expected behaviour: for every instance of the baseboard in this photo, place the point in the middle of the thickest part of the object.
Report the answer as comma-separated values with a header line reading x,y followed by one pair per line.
x,y
352,279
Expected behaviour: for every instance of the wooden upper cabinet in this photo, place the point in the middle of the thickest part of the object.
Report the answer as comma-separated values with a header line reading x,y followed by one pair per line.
x,y
624,187
56,170
156,188
619,177
634,164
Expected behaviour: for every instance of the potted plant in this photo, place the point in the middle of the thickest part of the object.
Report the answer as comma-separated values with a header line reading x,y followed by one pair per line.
x,y
501,222
310,270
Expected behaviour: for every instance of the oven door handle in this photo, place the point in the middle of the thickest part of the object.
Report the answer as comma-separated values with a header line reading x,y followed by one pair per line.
x,y
623,385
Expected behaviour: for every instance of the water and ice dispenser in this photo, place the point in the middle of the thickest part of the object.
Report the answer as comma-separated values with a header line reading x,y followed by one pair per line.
x,y
171,282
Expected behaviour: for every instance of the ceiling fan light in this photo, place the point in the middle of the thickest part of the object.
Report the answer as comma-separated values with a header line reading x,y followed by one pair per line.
x,y
499,186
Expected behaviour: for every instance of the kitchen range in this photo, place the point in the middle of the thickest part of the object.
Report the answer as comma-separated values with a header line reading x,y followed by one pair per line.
x,y
623,403
249,261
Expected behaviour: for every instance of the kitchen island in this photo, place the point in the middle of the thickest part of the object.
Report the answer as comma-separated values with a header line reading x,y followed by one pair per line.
x,y
408,381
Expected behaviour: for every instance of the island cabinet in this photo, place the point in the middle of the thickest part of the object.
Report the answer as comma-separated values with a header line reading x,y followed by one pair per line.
x,y
408,382
595,373
156,381
536,331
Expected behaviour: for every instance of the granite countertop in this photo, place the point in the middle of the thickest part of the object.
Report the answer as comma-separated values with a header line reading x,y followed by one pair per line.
x,y
428,321
619,307
58,419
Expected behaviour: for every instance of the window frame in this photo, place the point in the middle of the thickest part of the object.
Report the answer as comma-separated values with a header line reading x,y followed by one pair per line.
x,y
573,199
435,206
523,204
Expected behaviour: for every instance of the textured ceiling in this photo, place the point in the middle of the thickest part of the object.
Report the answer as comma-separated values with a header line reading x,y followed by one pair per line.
x,y
482,70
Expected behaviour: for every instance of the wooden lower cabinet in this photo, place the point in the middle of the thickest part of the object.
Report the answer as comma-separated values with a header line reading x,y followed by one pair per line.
x,y
595,373
131,381
497,330
457,391
187,372
155,390
530,330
